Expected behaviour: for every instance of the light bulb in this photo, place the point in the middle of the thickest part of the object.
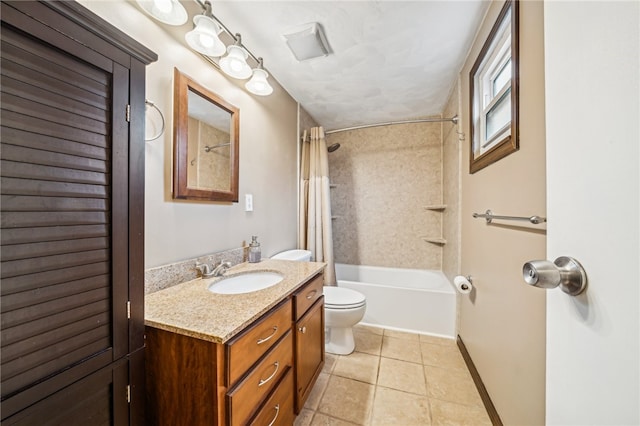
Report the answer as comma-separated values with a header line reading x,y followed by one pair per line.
x,y
206,40
258,85
204,37
235,63
170,12
163,6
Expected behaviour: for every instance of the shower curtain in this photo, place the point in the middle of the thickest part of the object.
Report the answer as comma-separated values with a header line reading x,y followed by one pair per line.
x,y
315,202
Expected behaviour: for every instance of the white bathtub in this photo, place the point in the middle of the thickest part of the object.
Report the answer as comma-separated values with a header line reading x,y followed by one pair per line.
x,y
415,300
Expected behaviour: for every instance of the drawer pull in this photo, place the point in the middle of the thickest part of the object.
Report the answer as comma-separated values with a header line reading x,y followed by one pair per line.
x,y
263,381
311,294
275,330
277,408
302,329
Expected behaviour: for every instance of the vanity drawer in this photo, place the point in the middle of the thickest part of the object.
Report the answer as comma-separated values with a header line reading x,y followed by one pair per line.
x,y
278,410
307,295
244,350
262,379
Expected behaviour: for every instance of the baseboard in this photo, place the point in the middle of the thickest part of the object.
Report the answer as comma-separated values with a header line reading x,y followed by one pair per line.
x,y
486,400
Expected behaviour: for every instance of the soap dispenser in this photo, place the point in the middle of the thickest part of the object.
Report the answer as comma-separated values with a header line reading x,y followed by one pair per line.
x,y
255,253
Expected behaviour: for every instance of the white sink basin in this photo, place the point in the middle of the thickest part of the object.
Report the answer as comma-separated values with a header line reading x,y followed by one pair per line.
x,y
245,283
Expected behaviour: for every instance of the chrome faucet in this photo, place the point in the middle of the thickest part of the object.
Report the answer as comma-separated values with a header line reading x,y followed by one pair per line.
x,y
204,269
221,268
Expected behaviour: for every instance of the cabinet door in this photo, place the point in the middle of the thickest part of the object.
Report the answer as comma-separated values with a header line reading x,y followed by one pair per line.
x,y
309,351
96,400
71,238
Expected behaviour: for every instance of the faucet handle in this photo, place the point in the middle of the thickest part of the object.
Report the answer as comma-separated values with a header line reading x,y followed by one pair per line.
x,y
203,268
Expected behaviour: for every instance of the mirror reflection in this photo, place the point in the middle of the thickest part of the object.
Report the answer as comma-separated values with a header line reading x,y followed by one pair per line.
x,y
209,145
205,143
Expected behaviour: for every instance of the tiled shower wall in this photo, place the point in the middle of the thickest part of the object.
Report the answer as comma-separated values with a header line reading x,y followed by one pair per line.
x,y
207,169
382,178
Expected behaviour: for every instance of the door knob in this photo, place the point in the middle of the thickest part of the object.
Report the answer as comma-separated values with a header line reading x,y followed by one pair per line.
x,y
565,272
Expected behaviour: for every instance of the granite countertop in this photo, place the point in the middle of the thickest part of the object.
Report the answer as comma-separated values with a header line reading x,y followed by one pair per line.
x,y
191,309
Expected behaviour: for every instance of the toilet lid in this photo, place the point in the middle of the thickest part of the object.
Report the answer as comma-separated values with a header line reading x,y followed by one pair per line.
x,y
342,298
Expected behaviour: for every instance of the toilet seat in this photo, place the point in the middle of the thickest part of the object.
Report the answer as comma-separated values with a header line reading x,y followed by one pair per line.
x,y
342,298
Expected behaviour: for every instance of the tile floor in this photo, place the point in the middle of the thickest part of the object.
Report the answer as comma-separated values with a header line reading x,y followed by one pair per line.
x,y
395,378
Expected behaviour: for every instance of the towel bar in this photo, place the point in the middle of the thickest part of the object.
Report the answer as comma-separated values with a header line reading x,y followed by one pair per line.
x,y
489,216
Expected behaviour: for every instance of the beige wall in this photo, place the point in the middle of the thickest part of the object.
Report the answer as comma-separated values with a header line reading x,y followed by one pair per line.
x,y
502,323
177,230
384,178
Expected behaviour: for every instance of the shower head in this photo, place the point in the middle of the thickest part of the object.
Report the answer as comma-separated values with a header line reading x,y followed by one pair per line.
x,y
333,147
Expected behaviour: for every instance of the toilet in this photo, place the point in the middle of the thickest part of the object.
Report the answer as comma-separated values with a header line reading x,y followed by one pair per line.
x,y
343,308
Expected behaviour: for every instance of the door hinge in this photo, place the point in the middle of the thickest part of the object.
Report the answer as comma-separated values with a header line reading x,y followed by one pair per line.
x,y
128,394
128,309
128,113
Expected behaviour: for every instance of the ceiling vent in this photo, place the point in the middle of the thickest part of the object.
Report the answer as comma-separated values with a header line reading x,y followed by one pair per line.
x,y
307,41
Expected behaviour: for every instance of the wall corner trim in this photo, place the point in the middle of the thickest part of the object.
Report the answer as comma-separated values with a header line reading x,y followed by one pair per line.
x,y
482,390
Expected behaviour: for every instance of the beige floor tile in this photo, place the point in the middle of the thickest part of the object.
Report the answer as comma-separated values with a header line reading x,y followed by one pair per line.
x,y
442,356
369,329
348,400
405,350
401,334
322,420
329,362
358,366
392,407
445,413
452,385
368,343
424,338
402,375
304,418
316,393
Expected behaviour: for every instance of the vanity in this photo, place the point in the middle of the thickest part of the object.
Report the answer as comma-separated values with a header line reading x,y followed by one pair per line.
x,y
235,359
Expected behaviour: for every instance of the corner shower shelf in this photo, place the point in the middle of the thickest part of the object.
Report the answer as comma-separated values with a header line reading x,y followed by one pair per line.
x,y
435,240
335,217
436,207
333,185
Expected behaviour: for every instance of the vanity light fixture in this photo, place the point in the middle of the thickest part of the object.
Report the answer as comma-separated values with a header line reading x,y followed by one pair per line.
x,y
204,37
235,63
170,12
258,85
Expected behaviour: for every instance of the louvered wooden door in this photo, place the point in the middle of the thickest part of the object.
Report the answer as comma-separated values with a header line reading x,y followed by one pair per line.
x,y
65,217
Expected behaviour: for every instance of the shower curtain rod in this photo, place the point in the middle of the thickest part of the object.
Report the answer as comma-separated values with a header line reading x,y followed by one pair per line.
x,y
453,119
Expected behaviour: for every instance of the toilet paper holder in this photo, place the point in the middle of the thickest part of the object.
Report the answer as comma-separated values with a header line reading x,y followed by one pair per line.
x,y
565,272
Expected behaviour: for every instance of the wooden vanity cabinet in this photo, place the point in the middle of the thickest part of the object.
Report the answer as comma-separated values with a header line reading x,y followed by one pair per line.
x,y
309,338
269,341
259,377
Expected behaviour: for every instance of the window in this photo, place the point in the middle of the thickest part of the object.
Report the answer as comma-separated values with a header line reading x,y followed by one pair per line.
x,y
494,97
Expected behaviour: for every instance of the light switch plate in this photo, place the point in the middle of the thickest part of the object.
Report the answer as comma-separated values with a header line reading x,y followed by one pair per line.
x,y
248,202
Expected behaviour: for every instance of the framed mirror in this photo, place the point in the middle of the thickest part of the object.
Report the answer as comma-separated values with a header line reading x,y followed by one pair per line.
x,y
205,143
494,92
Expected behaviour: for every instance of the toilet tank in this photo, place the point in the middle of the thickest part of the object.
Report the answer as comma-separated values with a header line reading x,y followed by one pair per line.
x,y
297,255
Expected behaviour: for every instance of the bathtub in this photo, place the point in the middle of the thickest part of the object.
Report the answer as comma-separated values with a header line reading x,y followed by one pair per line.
x,y
414,300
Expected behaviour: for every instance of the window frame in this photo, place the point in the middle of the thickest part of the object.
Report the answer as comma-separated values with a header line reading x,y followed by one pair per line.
x,y
500,47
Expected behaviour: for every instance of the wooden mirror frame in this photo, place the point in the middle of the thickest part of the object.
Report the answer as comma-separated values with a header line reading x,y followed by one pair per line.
x,y
181,87
510,143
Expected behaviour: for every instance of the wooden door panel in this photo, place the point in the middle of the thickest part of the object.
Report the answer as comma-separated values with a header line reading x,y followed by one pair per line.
x,y
309,351
72,203
62,211
98,399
